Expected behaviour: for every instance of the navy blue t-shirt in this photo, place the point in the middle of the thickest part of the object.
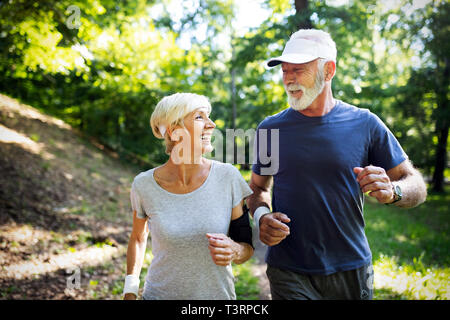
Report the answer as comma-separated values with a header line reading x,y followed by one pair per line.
x,y
316,187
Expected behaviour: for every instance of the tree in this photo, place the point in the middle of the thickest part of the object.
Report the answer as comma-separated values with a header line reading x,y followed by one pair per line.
x,y
106,75
424,98
376,69
302,14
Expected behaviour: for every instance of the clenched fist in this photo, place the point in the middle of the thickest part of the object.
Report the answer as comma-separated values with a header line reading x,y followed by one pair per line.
x,y
375,181
273,228
222,248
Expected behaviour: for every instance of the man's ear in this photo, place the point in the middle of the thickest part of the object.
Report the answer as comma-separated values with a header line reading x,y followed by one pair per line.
x,y
330,70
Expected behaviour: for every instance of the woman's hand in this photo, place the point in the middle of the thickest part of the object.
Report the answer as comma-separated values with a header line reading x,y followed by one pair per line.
x,y
223,250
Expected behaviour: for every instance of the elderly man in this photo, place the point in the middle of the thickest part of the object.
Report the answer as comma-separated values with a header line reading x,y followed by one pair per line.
x,y
330,154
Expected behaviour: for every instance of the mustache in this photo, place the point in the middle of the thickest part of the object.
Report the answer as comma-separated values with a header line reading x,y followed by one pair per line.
x,y
295,87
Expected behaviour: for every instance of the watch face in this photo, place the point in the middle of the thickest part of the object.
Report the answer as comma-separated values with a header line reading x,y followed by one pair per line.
x,y
398,192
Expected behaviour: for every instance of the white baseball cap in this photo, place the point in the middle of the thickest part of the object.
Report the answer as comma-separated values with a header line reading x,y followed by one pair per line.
x,y
300,50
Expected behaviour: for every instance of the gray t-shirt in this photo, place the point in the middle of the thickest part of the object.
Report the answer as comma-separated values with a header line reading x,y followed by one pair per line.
x,y
182,267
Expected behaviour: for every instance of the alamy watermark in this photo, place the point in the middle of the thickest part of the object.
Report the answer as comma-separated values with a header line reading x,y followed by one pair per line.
x,y
73,281
73,21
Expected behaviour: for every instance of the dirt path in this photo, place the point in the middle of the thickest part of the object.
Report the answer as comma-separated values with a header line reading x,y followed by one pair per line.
x,y
259,269
64,208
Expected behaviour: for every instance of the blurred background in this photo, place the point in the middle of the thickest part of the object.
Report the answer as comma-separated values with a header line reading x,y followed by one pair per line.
x,y
79,81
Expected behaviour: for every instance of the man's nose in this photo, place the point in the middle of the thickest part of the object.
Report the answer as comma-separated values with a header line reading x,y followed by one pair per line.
x,y
289,78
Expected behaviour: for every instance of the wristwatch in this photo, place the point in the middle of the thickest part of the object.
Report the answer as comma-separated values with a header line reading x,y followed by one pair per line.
x,y
397,193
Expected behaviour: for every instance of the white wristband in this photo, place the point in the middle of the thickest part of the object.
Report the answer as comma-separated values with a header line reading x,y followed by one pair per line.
x,y
131,284
259,213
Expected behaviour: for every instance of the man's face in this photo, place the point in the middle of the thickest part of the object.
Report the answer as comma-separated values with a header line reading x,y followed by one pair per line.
x,y
303,83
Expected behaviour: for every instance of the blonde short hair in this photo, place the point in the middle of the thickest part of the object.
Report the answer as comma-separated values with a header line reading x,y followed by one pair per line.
x,y
171,111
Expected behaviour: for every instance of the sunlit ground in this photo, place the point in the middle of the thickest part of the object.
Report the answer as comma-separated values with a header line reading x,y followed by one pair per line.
x,y
67,208
47,262
394,281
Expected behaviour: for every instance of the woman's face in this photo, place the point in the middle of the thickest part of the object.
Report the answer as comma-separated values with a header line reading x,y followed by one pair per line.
x,y
200,128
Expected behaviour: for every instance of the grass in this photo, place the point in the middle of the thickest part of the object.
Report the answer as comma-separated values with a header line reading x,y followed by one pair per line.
x,y
246,284
410,249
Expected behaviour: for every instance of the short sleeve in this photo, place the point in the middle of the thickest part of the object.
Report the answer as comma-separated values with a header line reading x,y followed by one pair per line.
x,y
264,164
384,150
136,204
256,168
239,186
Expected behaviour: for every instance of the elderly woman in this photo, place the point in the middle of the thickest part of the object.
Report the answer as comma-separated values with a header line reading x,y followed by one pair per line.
x,y
189,205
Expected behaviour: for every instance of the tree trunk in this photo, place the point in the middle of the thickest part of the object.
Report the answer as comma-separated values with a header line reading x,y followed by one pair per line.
x,y
302,14
233,98
442,127
441,159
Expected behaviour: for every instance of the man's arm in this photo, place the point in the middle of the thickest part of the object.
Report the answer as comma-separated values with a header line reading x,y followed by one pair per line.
x,y
410,180
272,227
379,183
260,186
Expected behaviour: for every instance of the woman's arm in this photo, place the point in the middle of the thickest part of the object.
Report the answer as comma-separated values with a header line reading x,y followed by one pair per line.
x,y
242,250
136,249
225,250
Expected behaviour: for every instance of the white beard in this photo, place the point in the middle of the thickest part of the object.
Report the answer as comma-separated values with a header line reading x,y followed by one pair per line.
x,y
308,94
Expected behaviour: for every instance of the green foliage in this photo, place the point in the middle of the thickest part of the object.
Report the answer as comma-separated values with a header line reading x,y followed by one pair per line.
x,y
105,76
422,98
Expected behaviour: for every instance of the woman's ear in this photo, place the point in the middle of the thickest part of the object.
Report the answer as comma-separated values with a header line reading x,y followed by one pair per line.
x,y
174,132
170,132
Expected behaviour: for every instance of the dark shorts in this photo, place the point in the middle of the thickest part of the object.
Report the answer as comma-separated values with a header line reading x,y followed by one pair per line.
x,y
345,285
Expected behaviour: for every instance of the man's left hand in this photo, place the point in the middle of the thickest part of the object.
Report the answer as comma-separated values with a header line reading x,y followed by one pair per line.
x,y
376,182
